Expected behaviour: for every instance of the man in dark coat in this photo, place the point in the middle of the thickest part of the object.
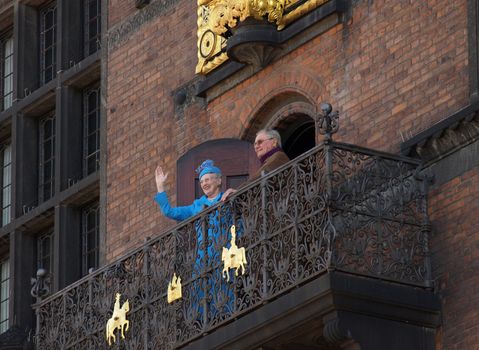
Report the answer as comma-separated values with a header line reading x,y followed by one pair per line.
x,y
267,146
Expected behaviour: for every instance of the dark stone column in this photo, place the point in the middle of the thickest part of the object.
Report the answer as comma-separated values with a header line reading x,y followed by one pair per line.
x,y
68,245
26,49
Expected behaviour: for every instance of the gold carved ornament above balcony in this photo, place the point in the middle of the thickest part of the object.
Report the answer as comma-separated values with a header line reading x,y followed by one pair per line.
x,y
217,19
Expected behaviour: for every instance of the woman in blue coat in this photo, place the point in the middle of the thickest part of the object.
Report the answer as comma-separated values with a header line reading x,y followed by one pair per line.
x,y
210,182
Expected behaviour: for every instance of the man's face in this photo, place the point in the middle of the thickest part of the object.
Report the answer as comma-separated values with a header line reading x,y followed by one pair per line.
x,y
263,144
210,184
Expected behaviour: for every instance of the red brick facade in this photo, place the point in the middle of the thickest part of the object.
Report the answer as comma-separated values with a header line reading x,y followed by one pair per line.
x,y
455,258
393,69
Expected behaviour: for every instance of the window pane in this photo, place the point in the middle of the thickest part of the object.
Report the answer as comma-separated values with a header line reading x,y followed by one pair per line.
x,y
48,43
45,250
92,105
92,147
91,130
47,158
92,165
6,184
92,26
4,311
7,175
92,123
6,195
90,238
5,270
4,294
6,68
6,216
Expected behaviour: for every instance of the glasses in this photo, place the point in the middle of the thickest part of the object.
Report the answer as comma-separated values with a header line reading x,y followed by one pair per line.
x,y
260,142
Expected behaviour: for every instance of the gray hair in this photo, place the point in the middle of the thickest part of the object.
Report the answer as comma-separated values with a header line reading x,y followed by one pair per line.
x,y
272,134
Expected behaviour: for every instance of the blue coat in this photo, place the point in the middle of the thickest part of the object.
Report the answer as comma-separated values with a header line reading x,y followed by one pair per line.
x,y
184,212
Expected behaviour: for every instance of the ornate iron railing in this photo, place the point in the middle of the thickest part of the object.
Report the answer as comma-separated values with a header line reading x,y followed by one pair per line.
x,y
336,207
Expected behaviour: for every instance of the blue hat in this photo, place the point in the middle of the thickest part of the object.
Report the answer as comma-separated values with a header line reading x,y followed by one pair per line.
x,y
207,167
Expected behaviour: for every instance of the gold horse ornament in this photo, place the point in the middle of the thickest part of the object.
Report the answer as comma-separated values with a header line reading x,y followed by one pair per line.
x,y
174,289
118,320
233,258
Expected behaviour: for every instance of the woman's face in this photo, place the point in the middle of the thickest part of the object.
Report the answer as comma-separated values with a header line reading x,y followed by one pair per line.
x,y
211,185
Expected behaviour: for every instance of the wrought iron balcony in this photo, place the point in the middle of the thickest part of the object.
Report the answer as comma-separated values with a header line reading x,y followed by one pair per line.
x,y
337,207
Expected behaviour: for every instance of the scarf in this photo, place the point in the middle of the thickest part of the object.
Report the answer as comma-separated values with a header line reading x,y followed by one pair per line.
x,y
268,154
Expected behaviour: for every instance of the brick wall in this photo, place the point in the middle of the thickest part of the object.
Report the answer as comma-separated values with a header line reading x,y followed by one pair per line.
x,y
118,10
381,70
455,259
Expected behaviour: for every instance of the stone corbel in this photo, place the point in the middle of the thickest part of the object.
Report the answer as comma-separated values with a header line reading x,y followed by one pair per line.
x,y
336,334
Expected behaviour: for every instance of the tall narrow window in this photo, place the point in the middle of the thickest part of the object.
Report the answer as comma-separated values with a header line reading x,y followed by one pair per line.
x,y
91,123
90,238
92,26
48,37
47,158
6,69
45,252
4,294
6,183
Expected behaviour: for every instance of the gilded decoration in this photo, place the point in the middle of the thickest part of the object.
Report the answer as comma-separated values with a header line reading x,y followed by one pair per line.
x,y
234,257
174,289
118,320
216,18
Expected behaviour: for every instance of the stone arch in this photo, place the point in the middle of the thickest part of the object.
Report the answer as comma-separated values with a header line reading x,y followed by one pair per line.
x,y
290,112
288,84
286,100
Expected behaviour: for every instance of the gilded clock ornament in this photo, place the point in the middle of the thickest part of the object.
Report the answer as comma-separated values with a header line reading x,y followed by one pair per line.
x,y
216,19
207,43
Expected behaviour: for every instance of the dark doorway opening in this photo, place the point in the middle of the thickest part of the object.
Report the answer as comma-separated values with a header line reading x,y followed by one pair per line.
x,y
298,135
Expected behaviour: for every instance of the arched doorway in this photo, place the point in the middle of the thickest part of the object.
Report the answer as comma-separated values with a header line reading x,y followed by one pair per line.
x,y
291,114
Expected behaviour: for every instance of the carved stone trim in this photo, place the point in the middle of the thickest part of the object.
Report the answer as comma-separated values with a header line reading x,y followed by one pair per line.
x,y
120,34
451,134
